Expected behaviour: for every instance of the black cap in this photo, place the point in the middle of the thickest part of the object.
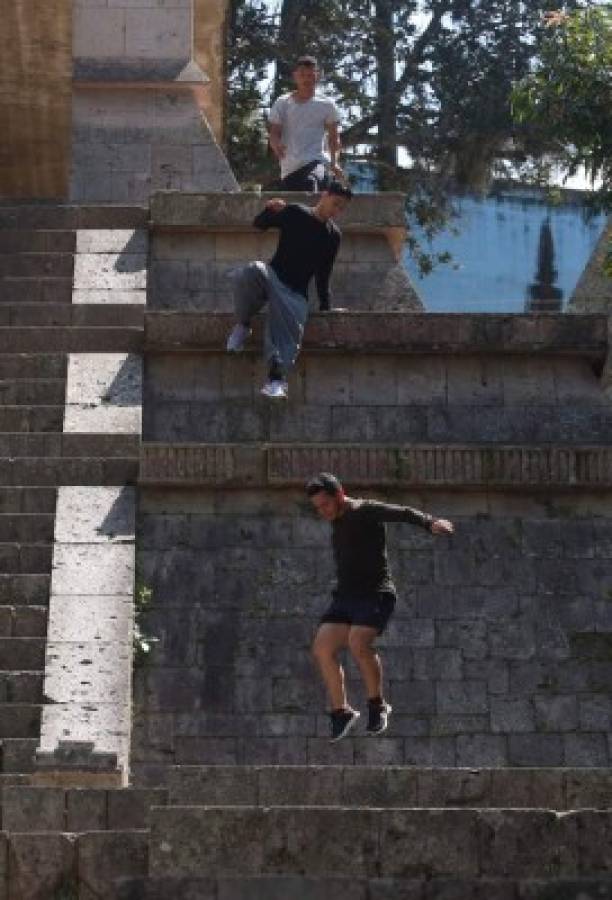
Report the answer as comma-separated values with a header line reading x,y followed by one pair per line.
x,y
306,60
325,482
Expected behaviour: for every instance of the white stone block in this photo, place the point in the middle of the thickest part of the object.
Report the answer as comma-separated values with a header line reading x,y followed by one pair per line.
x,y
110,296
123,271
131,240
98,33
86,515
91,619
103,569
87,671
110,379
158,33
106,724
103,419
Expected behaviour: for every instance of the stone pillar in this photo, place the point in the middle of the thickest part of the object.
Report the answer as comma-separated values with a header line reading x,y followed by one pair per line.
x,y
139,96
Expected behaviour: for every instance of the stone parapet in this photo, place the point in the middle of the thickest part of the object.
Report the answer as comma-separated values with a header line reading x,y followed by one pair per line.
x,y
456,466
399,332
178,211
199,240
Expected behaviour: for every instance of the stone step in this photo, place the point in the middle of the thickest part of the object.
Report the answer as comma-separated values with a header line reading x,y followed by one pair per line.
x,y
26,590
31,418
36,265
19,720
31,528
305,887
77,315
33,808
69,445
71,339
21,687
69,471
390,786
25,559
15,241
23,621
17,755
33,392
373,842
36,290
39,365
27,500
63,217
22,654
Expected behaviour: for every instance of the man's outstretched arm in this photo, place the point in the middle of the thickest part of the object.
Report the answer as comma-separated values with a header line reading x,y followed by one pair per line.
x,y
390,512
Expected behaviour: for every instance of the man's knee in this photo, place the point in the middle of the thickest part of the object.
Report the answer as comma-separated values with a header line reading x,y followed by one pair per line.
x,y
322,649
361,645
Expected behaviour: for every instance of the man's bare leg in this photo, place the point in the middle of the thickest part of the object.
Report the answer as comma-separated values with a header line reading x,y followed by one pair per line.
x,y
329,640
360,641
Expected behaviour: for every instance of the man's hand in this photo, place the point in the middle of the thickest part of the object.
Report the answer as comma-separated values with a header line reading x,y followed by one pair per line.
x,y
279,150
276,204
442,526
338,173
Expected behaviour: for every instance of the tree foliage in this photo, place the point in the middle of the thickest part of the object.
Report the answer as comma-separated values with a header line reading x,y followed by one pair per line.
x,y
424,87
568,97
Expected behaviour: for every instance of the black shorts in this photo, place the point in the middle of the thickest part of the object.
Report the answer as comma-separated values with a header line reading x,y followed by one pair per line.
x,y
373,611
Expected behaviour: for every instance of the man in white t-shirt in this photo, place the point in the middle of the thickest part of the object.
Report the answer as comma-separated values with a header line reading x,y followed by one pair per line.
x,y
298,124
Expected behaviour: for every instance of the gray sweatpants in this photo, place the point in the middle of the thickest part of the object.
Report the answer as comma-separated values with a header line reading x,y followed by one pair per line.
x,y
257,284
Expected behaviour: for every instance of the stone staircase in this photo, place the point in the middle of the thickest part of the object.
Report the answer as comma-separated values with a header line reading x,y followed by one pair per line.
x,y
39,327
493,782
318,833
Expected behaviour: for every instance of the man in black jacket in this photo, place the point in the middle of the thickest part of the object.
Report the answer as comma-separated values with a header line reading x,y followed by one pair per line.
x,y
307,247
364,597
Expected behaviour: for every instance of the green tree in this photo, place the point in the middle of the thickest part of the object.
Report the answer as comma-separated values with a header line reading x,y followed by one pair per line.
x,y
250,50
568,97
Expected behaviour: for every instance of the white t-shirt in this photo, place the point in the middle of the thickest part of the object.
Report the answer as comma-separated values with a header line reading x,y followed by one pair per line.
x,y
303,129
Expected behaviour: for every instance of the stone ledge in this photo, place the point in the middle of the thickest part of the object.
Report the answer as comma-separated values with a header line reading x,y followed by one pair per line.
x,y
453,466
59,217
70,339
138,72
177,210
398,332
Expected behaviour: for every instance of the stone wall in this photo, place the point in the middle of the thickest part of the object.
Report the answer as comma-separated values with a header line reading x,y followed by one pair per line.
x,y
500,652
35,98
199,242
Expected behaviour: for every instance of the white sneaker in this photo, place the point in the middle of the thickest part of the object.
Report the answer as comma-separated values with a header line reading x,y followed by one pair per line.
x,y
275,390
237,338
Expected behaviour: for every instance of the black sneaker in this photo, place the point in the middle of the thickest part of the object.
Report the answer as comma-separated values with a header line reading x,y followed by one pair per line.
x,y
378,717
342,722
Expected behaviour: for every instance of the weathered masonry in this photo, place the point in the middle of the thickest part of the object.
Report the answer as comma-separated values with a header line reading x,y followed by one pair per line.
x,y
139,458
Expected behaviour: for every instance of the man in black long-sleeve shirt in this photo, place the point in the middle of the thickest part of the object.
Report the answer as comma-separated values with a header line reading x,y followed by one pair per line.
x,y
307,247
364,597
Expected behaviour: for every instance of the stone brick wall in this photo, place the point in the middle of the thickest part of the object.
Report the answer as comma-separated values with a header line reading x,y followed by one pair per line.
x,y
200,241
501,649
378,398
499,654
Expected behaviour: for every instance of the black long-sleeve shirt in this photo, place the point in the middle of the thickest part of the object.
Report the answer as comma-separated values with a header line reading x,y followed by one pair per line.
x,y
306,247
359,543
